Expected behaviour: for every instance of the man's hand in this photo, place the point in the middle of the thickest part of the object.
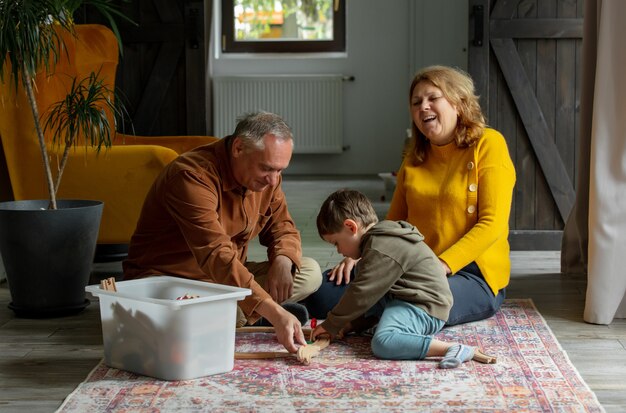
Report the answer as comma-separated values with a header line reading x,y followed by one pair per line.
x,y
341,272
287,327
280,279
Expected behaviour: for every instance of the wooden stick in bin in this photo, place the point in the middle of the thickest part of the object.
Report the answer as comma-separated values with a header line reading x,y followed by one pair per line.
x,y
108,284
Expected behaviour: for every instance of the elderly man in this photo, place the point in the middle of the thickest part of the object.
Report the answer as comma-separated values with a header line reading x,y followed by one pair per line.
x,y
209,203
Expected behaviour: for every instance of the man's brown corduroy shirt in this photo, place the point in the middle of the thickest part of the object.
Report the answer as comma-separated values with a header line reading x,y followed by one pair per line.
x,y
197,221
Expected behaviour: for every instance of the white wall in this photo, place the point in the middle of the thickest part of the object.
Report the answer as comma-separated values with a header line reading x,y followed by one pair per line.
x,y
387,40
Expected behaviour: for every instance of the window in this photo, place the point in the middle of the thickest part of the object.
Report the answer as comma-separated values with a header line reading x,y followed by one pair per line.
x,y
283,26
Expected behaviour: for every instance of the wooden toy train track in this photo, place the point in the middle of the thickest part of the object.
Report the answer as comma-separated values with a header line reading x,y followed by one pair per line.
x,y
304,354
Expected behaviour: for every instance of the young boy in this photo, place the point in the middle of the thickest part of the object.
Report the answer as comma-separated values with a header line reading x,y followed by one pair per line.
x,y
399,280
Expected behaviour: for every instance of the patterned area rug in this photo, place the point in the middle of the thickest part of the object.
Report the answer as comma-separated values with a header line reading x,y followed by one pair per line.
x,y
533,374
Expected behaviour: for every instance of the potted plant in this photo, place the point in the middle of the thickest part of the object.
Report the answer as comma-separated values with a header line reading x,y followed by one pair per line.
x,y
47,245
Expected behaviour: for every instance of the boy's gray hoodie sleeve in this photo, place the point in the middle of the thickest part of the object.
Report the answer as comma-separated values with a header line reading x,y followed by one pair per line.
x,y
376,274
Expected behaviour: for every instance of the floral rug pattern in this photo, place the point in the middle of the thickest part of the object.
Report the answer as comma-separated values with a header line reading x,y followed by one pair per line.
x,y
533,374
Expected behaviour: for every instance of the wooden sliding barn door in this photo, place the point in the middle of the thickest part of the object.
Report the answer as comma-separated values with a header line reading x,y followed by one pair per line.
x,y
162,72
524,56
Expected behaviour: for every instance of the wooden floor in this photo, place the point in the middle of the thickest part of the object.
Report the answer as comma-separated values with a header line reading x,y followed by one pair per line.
x,y
42,361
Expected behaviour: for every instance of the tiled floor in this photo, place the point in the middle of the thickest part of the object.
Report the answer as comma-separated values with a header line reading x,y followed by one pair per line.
x,y
42,361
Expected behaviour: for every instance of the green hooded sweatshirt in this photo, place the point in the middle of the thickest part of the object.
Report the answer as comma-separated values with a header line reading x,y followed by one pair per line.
x,y
394,261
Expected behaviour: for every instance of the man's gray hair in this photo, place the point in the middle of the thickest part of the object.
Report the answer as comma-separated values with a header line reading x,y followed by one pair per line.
x,y
252,127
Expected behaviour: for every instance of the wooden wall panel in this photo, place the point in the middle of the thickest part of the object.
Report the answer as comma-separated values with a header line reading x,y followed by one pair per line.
x,y
528,74
162,73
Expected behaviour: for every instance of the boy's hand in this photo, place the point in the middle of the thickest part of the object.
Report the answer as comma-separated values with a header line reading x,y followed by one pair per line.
x,y
318,331
347,329
341,272
358,325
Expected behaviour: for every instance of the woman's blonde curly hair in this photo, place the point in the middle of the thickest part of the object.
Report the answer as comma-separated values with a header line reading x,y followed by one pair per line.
x,y
458,88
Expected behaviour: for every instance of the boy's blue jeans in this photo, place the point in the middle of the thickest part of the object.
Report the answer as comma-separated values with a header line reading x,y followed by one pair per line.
x,y
404,331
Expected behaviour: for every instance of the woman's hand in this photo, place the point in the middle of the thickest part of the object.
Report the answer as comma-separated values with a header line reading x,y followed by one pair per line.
x,y
341,272
445,267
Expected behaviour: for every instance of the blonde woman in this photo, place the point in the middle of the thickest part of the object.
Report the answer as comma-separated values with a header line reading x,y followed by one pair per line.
x,y
455,185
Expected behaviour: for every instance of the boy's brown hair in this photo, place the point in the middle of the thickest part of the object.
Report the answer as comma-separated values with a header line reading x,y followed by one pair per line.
x,y
341,205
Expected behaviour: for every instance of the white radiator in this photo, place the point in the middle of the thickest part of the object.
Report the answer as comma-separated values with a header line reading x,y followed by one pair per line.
x,y
311,104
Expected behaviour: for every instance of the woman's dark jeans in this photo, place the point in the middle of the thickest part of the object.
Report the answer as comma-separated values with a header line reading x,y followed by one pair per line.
x,y
324,299
473,299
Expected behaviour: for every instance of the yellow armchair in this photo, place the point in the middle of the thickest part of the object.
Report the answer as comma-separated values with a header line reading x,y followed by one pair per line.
x,y
120,176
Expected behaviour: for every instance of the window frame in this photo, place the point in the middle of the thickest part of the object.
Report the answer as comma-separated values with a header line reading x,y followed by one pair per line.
x,y
230,45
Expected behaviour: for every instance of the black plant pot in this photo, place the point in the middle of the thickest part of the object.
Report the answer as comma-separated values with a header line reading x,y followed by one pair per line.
x,y
48,254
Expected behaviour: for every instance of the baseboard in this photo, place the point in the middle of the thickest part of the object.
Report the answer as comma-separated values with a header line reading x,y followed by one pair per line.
x,y
531,240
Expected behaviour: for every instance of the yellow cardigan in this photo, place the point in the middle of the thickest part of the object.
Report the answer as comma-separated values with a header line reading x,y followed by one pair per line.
x,y
460,200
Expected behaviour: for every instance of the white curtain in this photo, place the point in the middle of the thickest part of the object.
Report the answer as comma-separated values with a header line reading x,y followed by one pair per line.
x,y
595,234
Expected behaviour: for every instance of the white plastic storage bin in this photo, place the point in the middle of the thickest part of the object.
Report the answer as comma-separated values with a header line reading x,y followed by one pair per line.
x,y
146,330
